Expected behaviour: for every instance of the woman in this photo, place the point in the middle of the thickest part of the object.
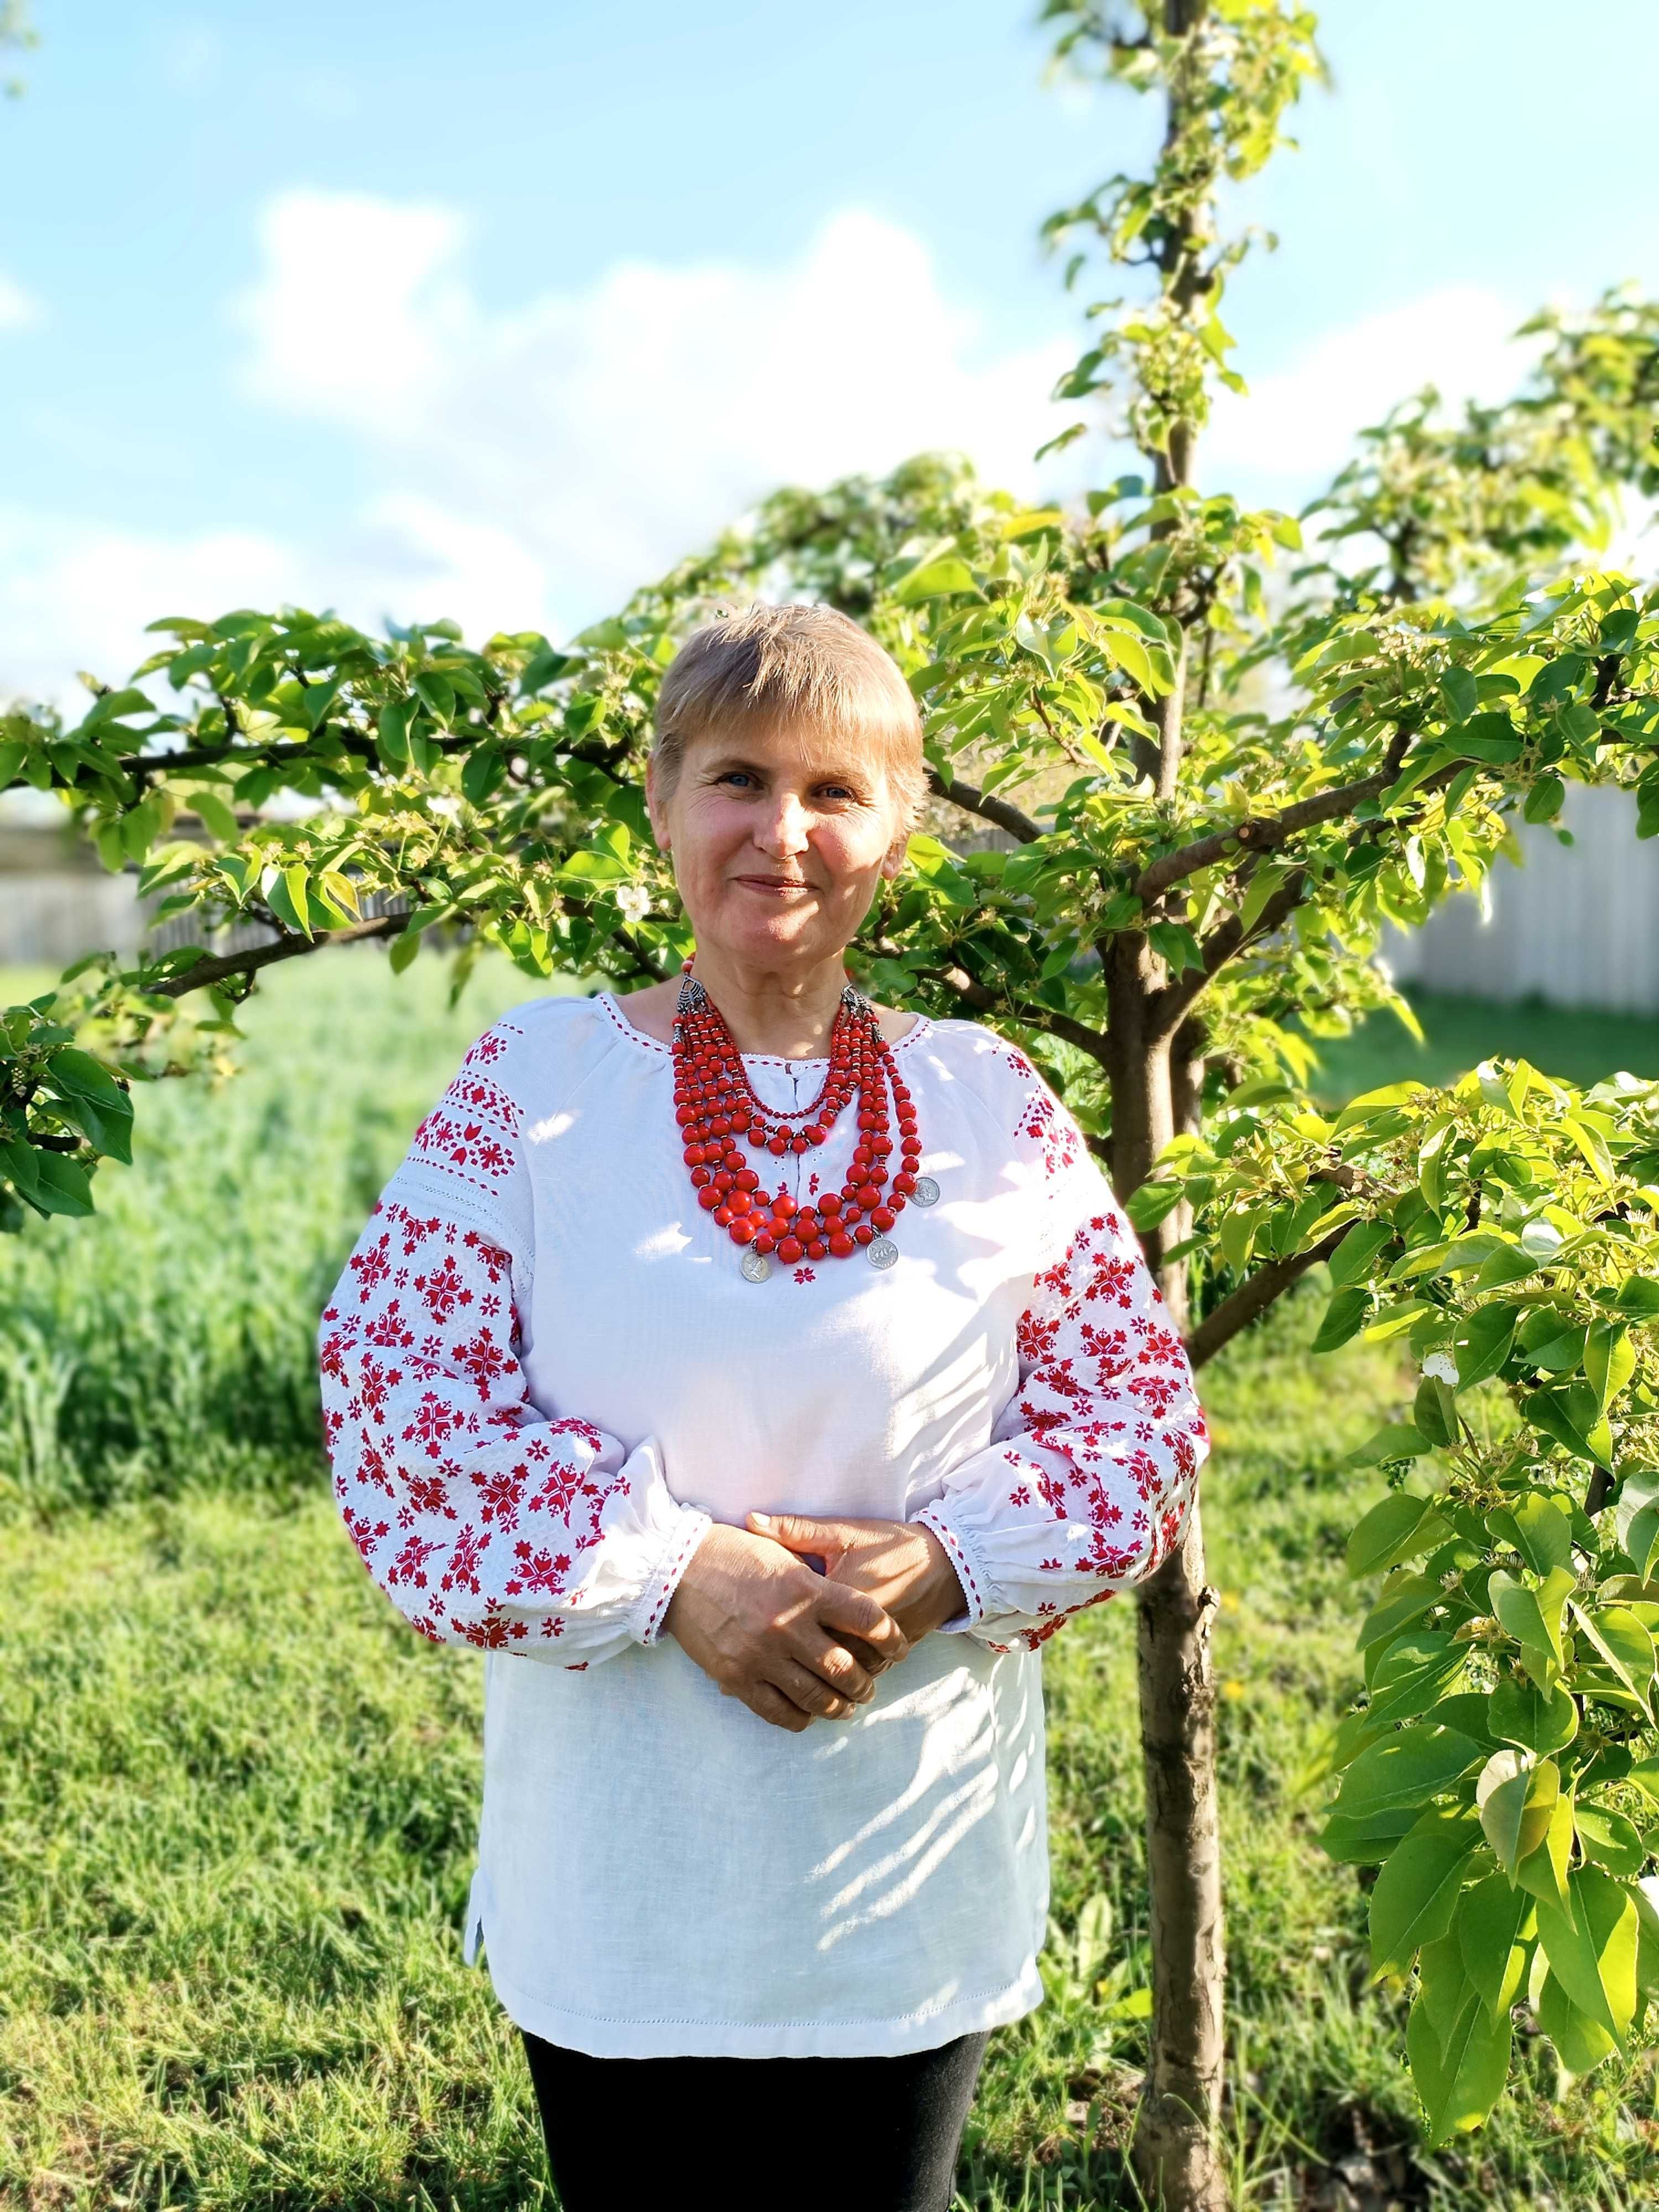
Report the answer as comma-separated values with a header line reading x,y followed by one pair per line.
x,y
727,1360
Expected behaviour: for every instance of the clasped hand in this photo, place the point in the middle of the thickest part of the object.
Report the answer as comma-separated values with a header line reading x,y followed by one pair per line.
x,y
792,1644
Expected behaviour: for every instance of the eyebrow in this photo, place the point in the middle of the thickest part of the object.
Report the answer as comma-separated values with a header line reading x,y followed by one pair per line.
x,y
723,763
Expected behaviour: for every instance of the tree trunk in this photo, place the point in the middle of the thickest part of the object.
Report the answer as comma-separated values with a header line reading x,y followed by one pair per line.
x,y
1176,2154
1157,1085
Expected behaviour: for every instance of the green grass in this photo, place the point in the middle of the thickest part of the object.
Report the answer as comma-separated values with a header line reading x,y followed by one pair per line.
x,y
1579,1045
237,1796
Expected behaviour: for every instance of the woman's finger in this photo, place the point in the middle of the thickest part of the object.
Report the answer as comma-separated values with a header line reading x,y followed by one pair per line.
x,y
809,1691
799,1532
772,1705
835,1664
841,1607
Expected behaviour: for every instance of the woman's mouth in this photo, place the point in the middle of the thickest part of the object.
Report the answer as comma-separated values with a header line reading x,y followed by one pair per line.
x,y
773,886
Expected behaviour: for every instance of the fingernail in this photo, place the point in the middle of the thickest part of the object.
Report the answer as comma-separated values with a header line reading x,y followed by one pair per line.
x,y
765,1519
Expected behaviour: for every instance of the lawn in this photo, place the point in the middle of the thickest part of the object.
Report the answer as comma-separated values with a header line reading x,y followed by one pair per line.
x,y
237,1796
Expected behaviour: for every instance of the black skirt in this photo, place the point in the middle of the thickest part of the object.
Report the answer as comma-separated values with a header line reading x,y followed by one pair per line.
x,y
755,2134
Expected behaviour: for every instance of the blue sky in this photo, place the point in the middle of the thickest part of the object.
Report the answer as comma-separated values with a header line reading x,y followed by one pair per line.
x,y
494,312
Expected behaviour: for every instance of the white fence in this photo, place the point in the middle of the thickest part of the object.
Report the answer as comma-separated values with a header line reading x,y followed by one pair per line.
x,y
1579,926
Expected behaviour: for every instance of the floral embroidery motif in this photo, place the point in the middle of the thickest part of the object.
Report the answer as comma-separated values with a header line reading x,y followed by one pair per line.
x,y
472,1512
1102,1441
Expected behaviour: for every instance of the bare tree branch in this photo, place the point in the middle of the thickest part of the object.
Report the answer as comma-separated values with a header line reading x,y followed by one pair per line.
x,y
972,800
1253,1297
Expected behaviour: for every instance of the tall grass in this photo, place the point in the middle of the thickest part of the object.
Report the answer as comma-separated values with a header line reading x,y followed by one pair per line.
x,y
169,1340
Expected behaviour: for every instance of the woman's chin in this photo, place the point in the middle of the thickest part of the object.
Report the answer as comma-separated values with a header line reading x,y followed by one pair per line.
x,y
789,935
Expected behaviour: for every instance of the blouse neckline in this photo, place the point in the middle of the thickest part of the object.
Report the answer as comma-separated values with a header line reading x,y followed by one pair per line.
x,y
608,1000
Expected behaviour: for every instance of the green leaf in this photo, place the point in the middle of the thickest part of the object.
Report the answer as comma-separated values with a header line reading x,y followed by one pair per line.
x,y
1404,1596
1492,1924
1516,1803
1461,2077
1592,1948
1482,1342
1398,1440
62,1185
1492,737
1416,1892
1624,1645
1344,1316
405,947
1534,1618
1393,1530
1609,1360
1507,1264
1580,2044
1518,1711
1394,1321
1354,1255
934,579
1636,1519
1638,1297
1434,1412
1365,1838
1413,1674
1543,1872
1610,1839
1572,1418
217,817
393,733
1150,1204
1540,1527
1408,1768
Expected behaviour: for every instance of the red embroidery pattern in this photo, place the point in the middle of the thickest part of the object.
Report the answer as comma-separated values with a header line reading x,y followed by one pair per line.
x,y
1106,1434
470,1512
473,1131
1103,1440
1043,1122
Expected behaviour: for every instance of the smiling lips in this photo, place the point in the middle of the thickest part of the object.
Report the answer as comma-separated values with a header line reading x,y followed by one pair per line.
x,y
776,885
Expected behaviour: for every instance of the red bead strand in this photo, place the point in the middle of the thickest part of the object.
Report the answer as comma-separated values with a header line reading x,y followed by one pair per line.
x,y
718,1113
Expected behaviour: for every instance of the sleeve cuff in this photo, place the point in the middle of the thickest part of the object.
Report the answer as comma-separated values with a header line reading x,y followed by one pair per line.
x,y
689,1526
969,1572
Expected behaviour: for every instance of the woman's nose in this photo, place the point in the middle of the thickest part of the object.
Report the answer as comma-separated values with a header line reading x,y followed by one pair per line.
x,y
785,827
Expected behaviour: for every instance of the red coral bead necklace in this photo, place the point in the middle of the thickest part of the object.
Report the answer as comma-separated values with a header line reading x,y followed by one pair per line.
x,y
719,1114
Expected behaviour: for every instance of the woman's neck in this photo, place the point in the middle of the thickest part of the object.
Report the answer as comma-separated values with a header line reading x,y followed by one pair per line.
x,y
788,1016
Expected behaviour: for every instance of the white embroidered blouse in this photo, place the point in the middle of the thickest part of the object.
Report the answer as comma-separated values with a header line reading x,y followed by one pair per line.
x,y
544,1372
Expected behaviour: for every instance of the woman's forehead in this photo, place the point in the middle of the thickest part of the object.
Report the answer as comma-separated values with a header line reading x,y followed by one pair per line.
x,y
802,746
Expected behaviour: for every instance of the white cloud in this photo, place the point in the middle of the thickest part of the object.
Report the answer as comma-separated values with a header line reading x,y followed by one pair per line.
x,y
1297,427
75,597
592,436
19,310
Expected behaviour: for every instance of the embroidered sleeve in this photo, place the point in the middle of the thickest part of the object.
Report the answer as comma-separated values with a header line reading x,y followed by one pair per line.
x,y
485,1519
1087,1483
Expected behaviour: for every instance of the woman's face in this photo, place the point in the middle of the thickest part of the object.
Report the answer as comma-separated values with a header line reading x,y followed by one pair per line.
x,y
779,838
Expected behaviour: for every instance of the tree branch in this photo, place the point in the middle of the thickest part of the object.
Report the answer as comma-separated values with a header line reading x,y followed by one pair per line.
x,y
1091,1041
972,800
1253,1297
1263,833
212,969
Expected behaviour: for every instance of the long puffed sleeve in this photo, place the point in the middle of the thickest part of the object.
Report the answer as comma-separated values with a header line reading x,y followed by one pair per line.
x,y
485,1519
1087,1483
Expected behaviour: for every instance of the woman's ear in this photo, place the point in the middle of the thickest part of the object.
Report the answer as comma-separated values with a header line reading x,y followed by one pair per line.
x,y
654,805
897,852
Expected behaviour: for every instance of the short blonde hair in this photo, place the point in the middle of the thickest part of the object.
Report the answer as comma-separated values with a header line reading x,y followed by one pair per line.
x,y
768,665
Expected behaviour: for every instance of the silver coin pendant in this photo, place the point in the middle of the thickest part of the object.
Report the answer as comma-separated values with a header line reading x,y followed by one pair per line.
x,y
926,1192
881,1252
755,1267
